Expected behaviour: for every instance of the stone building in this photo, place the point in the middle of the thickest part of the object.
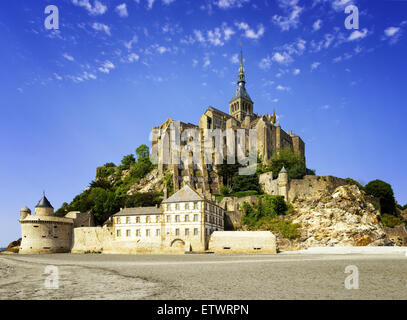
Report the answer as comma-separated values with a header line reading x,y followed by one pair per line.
x,y
202,176
184,222
44,232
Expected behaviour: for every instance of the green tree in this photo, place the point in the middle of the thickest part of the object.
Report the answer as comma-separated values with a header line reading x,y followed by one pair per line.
x,y
142,152
383,191
128,160
292,161
245,183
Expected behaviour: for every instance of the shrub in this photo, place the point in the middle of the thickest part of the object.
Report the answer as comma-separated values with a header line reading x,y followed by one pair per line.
x,y
225,190
384,192
245,183
127,161
391,221
354,182
242,194
292,161
268,207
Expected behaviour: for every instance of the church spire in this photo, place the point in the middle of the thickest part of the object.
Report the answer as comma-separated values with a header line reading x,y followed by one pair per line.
x,y
241,68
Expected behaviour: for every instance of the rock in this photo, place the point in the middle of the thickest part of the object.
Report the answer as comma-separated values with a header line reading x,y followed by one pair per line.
x,y
13,247
343,218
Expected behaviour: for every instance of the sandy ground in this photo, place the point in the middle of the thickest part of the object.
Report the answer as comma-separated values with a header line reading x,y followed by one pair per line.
x,y
284,276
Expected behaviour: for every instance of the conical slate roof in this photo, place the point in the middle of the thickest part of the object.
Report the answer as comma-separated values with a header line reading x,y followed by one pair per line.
x,y
44,203
283,170
186,193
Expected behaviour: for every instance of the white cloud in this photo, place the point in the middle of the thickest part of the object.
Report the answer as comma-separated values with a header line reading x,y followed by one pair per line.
x,y
130,43
68,57
150,4
265,63
249,32
325,107
133,57
207,62
391,31
57,76
356,35
282,88
296,72
98,8
106,67
162,49
101,27
315,65
167,2
292,19
194,62
227,4
234,59
283,58
121,10
317,25
215,37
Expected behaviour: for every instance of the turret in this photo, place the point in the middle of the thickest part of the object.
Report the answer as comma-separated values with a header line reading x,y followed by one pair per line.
x,y
283,183
44,207
24,212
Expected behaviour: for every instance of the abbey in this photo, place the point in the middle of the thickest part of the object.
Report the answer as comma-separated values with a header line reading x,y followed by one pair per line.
x,y
202,176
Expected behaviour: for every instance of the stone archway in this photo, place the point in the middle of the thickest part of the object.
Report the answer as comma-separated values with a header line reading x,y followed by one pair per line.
x,y
178,244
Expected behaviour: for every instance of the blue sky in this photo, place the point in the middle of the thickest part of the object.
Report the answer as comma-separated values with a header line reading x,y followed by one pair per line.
x,y
89,93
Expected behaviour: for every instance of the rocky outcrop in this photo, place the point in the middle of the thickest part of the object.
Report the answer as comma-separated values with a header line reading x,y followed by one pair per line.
x,y
346,217
153,181
13,247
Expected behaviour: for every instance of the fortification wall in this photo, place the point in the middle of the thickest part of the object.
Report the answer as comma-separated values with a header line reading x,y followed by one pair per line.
x,y
243,242
308,187
312,186
91,239
45,237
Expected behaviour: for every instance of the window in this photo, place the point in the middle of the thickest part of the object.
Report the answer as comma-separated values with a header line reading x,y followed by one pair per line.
x,y
195,217
118,220
196,205
147,232
128,233
137,219
177,232
177,219
186,232
148,219
157,218
138,233
127,219
177,206
168,218
186,218
157,232
186,206
195,231
118,233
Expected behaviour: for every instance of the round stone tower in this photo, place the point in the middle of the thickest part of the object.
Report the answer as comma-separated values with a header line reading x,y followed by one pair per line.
x,y
283,183
44,232
24,212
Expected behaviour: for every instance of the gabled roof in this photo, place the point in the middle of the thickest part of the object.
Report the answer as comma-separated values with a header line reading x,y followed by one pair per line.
x,y
186,193
44,203
139,211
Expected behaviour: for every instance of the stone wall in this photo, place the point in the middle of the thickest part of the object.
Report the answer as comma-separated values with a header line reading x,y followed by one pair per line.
x,y
242,242
312,186
308,187
91,239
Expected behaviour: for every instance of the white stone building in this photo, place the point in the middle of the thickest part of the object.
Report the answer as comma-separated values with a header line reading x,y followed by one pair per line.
x,y
185,221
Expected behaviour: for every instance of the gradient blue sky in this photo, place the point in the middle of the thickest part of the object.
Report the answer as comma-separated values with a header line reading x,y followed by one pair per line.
x,y
89,93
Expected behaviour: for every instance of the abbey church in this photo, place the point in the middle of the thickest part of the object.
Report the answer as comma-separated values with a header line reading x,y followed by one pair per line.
x,y
270,138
